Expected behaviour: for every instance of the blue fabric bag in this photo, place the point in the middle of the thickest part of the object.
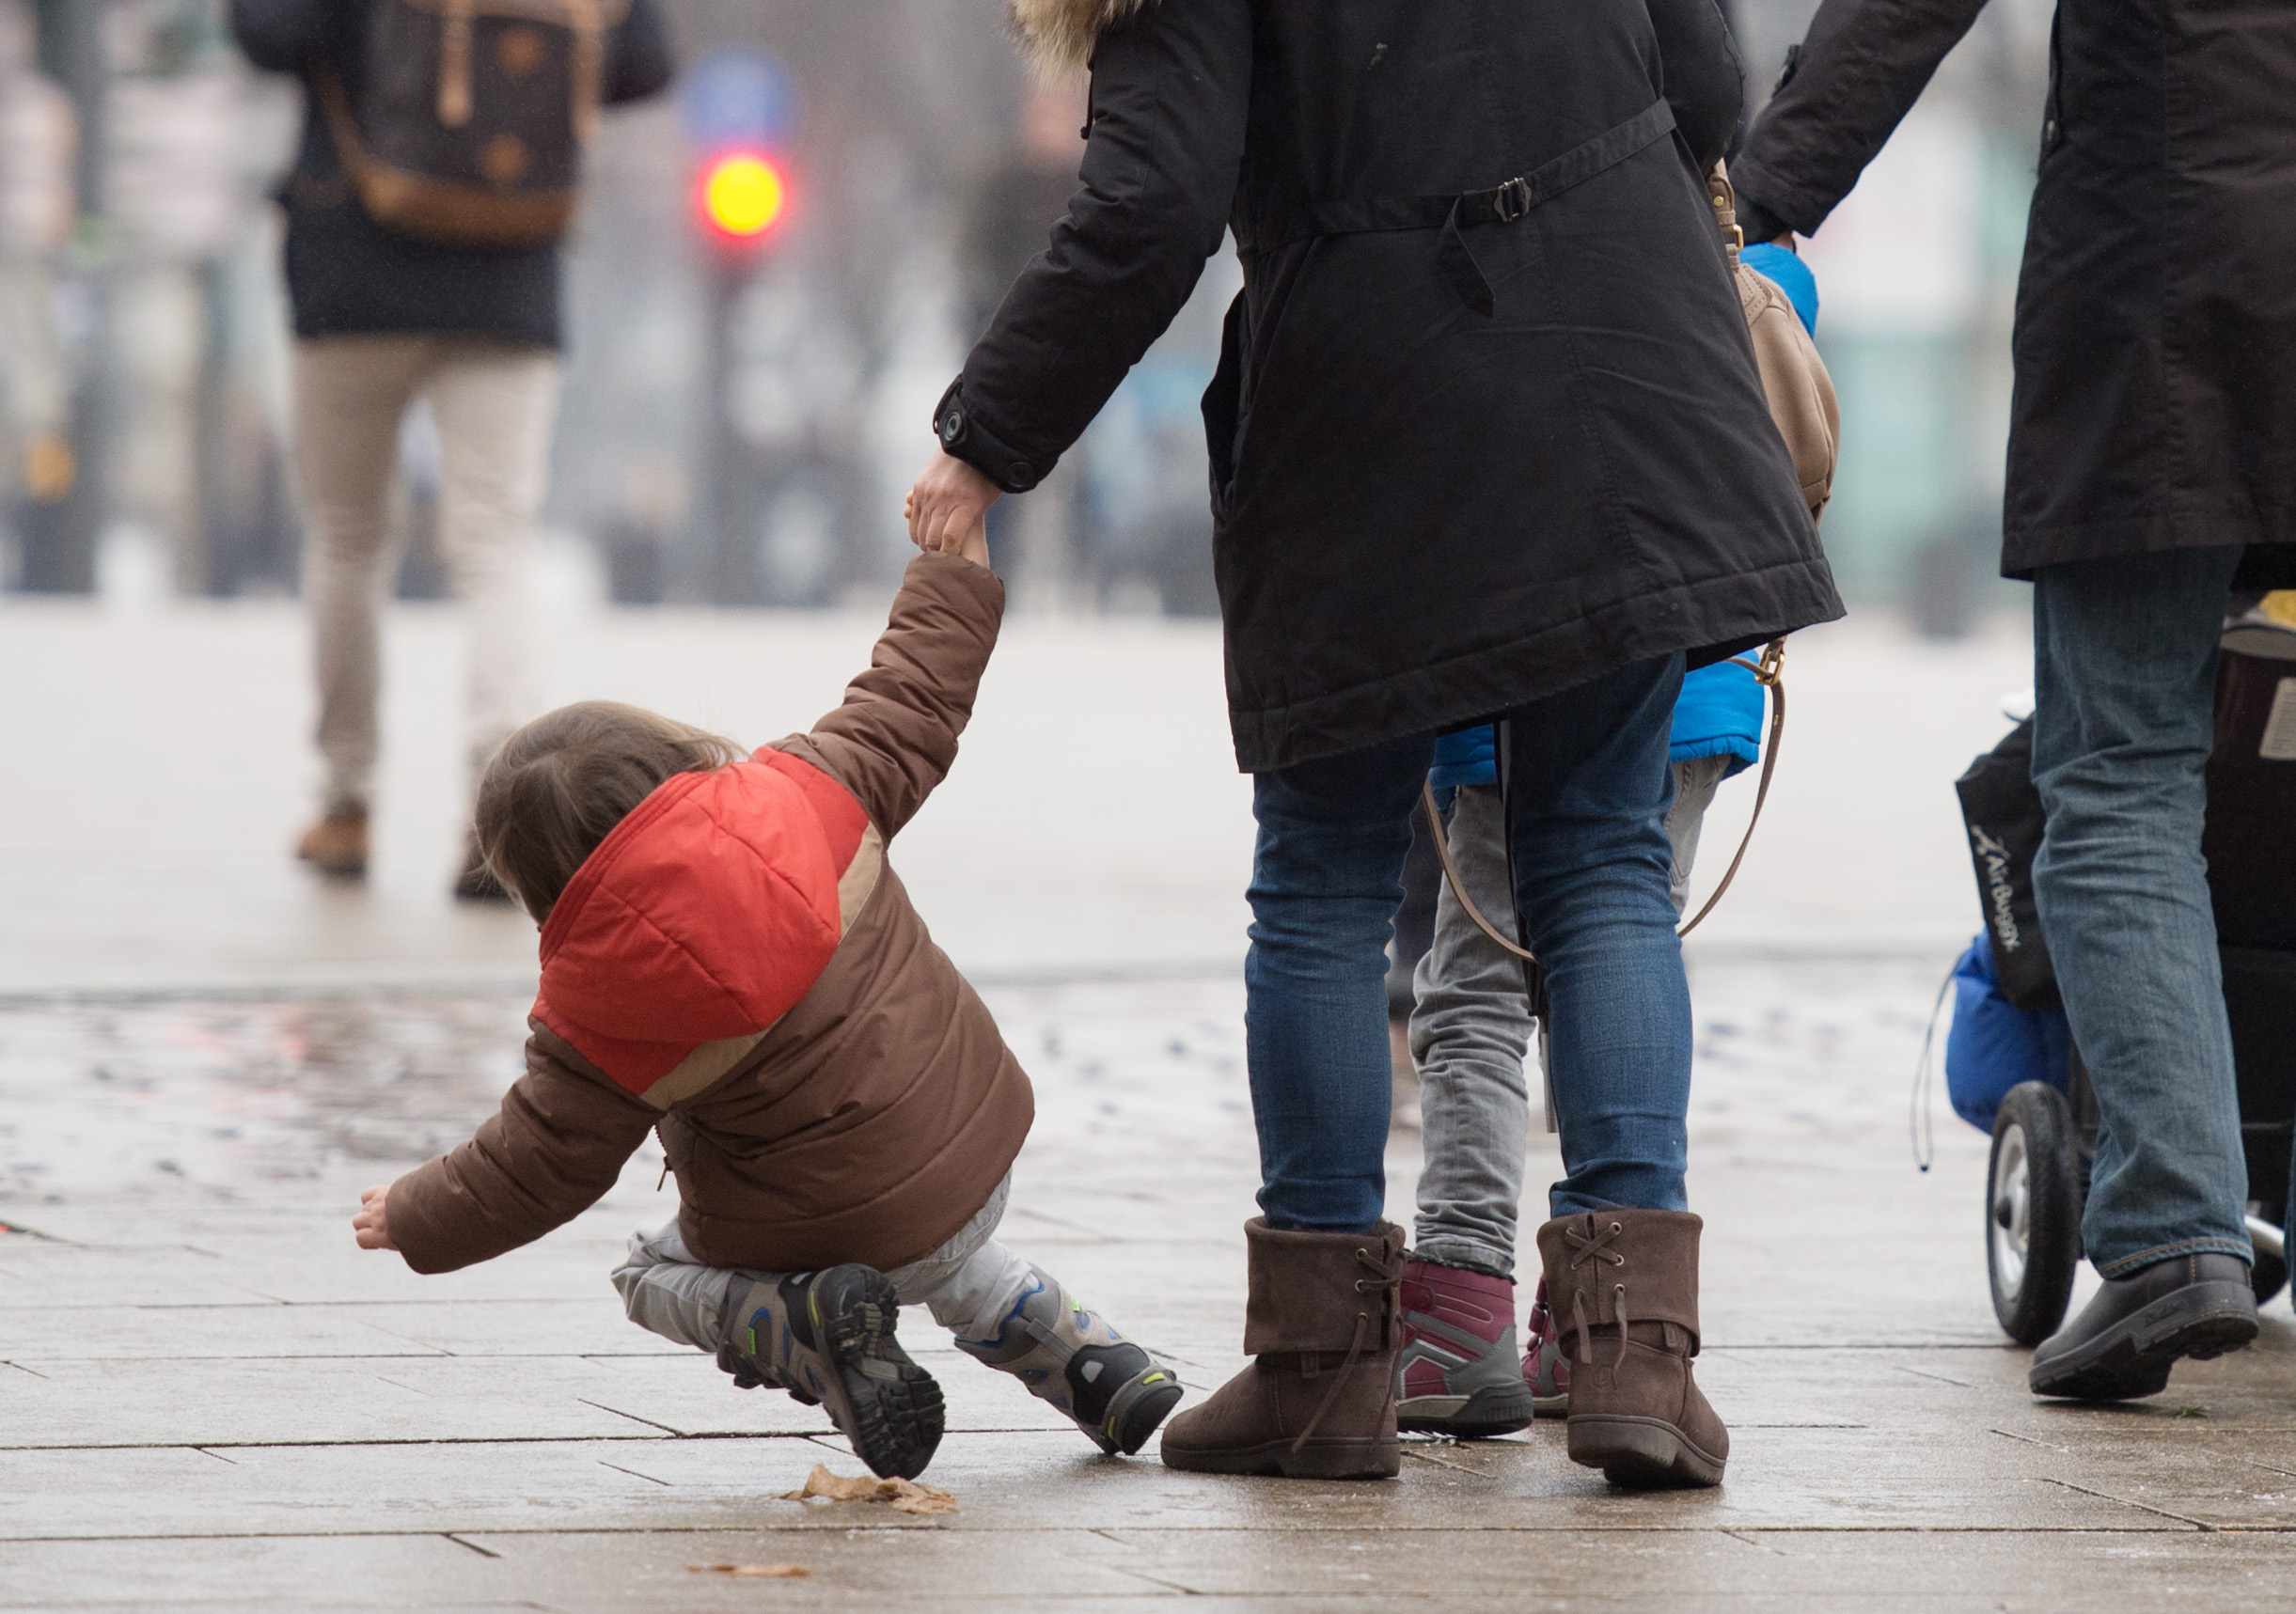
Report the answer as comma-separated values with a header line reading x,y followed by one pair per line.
x,y
1993,1045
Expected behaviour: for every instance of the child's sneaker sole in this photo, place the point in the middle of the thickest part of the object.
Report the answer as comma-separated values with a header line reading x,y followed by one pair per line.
x,y
1123,1421
885,1404
1489,1412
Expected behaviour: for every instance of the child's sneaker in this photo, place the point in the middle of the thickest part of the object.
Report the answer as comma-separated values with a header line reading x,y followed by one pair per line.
x,y
827,1337
1113,1390
1456,1372
1546,1369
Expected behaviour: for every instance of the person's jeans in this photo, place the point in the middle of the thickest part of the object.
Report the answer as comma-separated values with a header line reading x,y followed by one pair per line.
x,y
1471,1028
2125,685
1588,787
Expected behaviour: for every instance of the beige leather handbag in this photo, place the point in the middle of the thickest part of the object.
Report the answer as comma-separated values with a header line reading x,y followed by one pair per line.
x,y
1801,396
1801,392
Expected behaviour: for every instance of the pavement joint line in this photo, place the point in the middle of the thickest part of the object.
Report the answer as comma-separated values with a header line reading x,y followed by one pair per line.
x,y
636,1475
217,1455
474,1547
802,1526
523,984
1168,1585
21,1368
1941,1378
211,1447
2126,1503
17,1229
2029,1440
666,1429
1759,1546
1413,1451
2267,1467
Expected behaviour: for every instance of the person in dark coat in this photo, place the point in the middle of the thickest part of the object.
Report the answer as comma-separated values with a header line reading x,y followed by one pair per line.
x,y
2152,469
382,318
1488,440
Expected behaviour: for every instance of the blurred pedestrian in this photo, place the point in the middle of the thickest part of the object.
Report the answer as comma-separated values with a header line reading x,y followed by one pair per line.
x,y
1010,212
727,956
2151,472
1482,446
438,172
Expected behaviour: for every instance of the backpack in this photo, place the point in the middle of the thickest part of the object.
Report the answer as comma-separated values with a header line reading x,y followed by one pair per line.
x,y
470,120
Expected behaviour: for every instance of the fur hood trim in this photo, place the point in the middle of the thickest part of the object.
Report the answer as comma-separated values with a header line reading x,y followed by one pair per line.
x,y
1058,35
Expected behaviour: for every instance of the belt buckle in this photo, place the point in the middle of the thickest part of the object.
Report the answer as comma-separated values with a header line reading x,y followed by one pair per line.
x,y
1511,200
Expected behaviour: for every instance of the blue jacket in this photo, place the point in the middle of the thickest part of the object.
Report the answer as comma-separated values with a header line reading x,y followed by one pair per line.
x,y
1719,713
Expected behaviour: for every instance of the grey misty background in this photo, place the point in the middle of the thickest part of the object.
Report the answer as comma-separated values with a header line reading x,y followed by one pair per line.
x,y
741,434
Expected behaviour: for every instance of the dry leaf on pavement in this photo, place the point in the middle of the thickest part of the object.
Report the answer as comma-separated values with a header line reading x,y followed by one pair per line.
x,y
753,1570
907,1495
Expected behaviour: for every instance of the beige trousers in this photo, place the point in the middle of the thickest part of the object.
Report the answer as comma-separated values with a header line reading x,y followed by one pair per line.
x,y
493,402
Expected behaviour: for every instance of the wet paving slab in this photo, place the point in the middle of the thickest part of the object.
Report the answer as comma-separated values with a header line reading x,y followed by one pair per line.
x,y
208,1398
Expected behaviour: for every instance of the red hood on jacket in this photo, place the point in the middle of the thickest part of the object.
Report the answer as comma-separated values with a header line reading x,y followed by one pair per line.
x,y
706,915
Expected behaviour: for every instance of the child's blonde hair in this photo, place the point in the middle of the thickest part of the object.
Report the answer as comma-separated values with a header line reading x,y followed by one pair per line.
x,y
558,786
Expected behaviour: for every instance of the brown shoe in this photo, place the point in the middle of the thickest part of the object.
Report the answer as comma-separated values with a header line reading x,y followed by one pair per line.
x,y
1318,1401
477,882
336,844
1623,1285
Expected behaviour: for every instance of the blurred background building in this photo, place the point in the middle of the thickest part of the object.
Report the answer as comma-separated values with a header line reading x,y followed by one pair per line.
x,y
748,393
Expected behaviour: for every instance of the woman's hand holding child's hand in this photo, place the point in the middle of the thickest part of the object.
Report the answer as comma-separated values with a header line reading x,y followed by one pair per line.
x,y
947,507
372,1223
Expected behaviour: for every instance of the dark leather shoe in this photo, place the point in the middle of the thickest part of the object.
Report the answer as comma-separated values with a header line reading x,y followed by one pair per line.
x,y
2126,1340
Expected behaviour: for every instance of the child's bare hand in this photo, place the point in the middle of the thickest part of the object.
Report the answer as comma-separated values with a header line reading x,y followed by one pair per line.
x,y
372,1223
945,507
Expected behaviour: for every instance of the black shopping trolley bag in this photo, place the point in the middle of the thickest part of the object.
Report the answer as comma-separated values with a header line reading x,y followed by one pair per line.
x,y
2001,812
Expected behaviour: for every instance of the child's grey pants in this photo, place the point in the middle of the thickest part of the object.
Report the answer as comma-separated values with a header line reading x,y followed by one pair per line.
x,y
1471,1026
970,1284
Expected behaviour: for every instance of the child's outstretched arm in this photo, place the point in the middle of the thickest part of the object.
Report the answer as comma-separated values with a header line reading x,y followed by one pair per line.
x,y
550,1152
895,736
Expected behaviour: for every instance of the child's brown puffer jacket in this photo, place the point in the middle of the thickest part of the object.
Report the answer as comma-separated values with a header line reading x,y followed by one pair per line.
x,y
737,965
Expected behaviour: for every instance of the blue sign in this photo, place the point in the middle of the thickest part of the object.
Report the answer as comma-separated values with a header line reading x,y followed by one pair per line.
x,y
737,97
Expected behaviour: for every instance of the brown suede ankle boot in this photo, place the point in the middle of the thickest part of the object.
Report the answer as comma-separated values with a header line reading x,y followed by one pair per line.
x,y
1623,1285
1318,1402
336,844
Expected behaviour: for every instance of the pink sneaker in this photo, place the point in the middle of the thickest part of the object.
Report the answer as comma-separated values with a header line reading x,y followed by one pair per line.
x,y
1546,1369
1456,1374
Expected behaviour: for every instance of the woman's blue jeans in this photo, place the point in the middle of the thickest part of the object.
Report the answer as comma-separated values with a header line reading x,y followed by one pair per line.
x,y
1588,786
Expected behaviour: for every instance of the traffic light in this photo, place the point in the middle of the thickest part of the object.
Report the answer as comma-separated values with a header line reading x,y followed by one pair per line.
x,y
743,196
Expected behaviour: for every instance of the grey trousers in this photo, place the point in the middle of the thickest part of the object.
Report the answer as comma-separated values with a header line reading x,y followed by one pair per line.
x,y
970,1284
1471,1028
493,402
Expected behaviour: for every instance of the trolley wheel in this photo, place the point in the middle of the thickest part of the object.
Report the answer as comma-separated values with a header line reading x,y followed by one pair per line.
x,y
2033,1211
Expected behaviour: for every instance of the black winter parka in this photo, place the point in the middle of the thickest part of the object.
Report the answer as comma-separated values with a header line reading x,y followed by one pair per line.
x,y
1473,443
346,275
2155,403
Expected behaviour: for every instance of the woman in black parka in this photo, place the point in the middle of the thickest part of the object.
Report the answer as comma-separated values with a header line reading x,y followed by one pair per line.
x,y
2151,472
1488,440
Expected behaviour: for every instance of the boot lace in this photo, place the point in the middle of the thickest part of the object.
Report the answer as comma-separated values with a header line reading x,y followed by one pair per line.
x,y
1381,1281
1595,1248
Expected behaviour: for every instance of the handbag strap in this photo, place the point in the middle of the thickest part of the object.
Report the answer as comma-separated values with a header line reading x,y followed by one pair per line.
x,y
1769,672
1724,196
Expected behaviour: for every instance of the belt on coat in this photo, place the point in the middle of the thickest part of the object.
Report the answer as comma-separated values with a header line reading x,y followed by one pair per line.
x,y
1455,213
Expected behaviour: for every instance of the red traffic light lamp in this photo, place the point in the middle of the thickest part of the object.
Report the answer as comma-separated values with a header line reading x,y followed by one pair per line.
x,y
744,196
